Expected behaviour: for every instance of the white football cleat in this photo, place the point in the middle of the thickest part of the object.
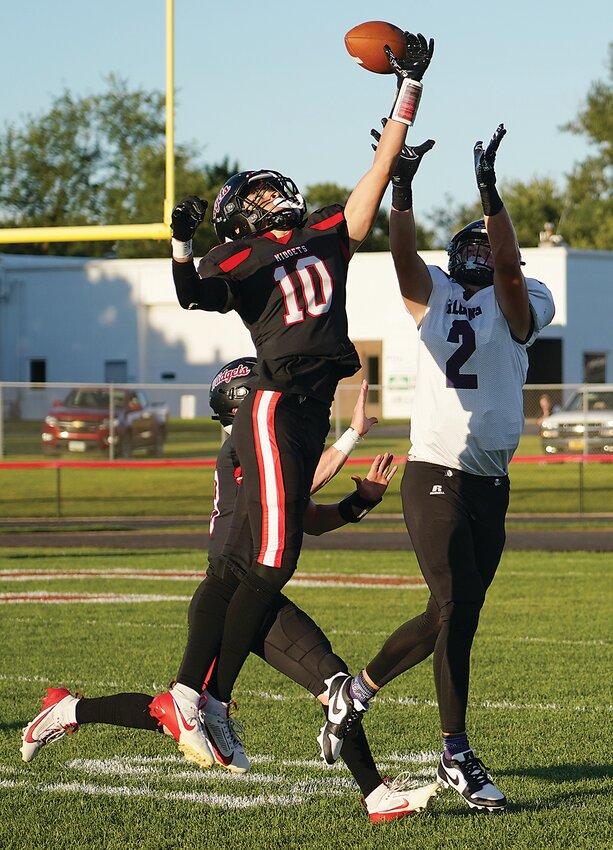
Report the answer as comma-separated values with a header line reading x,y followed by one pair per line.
x,y
179,717
224,733
54,721
466,774
398,798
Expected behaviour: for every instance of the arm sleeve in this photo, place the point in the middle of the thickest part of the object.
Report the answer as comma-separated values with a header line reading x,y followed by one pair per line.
x,y
194,293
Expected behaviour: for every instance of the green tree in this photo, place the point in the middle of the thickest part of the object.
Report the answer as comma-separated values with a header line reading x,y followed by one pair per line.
x,y
323,194
94,160
588,214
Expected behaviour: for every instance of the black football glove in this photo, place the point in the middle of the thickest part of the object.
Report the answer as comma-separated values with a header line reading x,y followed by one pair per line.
x,y
415,64
406,168
485,172
186,216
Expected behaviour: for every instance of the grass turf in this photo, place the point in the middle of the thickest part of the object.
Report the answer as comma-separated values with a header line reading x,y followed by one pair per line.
x,y
539,708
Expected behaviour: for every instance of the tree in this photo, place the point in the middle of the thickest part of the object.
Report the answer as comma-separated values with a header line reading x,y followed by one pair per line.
x,y
588,214
93,160
323,194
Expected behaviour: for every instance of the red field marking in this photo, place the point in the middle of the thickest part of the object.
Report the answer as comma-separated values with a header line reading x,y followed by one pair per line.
x,y
210,462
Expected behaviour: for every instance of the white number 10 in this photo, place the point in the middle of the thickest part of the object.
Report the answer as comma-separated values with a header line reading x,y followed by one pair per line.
x,y
305,267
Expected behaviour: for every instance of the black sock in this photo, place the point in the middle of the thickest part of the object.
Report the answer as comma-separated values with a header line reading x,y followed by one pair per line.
x,y
131,710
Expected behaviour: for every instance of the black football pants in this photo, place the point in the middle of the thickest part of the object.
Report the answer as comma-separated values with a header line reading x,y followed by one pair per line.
x,y
279,438
456,523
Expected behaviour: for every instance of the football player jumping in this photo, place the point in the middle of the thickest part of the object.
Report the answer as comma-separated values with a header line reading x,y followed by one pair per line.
x,y
475,325
285,275
290,641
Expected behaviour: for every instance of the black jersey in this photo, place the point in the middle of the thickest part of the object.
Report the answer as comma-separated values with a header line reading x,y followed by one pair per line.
x,y
291,294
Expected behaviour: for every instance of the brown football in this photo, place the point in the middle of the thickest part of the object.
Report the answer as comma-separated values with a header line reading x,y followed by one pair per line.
x,y
365,44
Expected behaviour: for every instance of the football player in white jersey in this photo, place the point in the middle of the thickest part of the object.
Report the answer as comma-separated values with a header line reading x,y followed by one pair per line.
x,y
475,325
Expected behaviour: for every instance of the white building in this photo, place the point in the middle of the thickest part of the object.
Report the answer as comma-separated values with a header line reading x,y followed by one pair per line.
x,y
93,321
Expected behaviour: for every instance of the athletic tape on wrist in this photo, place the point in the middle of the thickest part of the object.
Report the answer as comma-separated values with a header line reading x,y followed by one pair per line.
x,y
407,102
354,500
347,442
181,250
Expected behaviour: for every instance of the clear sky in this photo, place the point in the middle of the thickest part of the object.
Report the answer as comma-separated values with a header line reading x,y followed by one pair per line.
x,y
270,84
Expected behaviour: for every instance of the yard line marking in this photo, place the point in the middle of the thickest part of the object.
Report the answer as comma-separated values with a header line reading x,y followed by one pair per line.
x,y
304,579
303,697
554,641
118,766
222,801
46,598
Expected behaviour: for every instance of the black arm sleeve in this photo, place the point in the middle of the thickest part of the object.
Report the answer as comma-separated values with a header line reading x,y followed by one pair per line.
x,y
195,293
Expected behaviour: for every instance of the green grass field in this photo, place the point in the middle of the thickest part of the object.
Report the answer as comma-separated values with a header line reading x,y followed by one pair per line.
x,y
539,712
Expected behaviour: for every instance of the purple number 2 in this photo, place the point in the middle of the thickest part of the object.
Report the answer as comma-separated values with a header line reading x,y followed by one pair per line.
x,y
462,332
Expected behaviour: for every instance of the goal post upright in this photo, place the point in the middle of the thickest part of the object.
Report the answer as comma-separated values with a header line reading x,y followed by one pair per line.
x,y
119,232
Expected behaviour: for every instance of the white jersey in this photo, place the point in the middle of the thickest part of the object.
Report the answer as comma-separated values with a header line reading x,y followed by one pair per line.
x,y
468,404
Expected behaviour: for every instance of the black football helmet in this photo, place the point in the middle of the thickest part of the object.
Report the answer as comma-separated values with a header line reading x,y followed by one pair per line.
x,y
235,215
470,255
229,387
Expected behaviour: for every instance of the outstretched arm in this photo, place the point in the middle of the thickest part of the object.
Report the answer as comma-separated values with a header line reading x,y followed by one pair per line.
x,y
334,457
413,275
509,281
364,202
318,519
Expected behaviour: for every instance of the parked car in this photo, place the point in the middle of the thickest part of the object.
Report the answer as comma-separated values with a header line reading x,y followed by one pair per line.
x,y
584,424
90,419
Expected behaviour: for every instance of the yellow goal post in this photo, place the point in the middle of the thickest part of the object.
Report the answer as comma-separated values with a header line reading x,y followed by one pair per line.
x,y
118,232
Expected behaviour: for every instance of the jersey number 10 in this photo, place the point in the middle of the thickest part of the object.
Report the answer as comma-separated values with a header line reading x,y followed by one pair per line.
x,y
315,285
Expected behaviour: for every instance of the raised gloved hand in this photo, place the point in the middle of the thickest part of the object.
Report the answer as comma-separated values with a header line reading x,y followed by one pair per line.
x,y
405,170
485,173
415,64
186,217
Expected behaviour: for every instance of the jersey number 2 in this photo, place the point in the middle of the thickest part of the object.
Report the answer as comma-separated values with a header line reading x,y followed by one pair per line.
x,y
461,331
313,276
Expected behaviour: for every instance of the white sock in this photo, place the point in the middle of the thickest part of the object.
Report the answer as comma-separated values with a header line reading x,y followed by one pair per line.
x,y
69,710
185,692
374,798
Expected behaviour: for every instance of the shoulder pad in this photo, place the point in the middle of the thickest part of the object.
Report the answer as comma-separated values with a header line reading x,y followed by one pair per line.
x,y
326,218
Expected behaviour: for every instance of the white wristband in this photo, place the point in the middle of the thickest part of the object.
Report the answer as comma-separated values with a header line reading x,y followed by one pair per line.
x,y
407,102
181,250
347,442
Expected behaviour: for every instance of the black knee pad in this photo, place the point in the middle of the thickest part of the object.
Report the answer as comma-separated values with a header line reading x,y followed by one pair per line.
x,y
295,635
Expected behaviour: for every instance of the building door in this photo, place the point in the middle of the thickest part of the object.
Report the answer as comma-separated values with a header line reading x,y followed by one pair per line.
x,y
371,358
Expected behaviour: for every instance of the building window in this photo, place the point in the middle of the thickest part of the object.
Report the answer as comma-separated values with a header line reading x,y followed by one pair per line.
x,y
594,367
115,371
38,370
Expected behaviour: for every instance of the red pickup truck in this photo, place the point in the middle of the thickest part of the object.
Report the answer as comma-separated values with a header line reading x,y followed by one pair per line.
x,y
90,418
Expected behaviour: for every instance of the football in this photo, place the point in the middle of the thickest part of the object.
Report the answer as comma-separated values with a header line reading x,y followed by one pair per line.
x,y
365,43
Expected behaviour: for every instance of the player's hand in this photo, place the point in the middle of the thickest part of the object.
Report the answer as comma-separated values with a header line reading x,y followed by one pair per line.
x,y
360,422
485,159
186,216
415,64
379,476
409,160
